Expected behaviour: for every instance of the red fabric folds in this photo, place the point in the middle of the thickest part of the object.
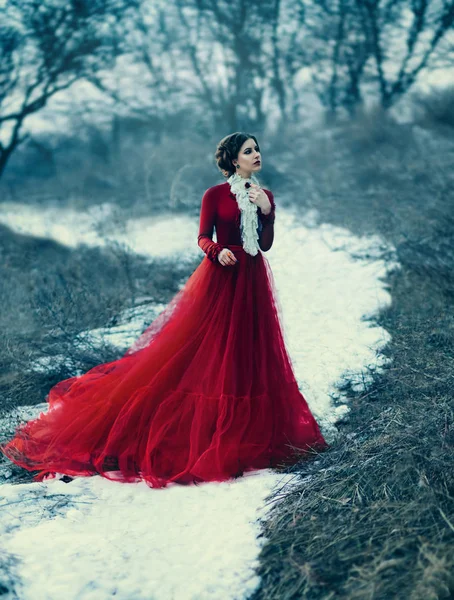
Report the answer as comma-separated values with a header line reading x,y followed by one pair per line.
x,y
206,393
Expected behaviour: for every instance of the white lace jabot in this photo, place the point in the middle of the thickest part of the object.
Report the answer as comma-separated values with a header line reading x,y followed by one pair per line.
x,y
249,217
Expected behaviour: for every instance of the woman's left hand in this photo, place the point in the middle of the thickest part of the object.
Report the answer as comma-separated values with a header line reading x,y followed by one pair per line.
x,y
258,196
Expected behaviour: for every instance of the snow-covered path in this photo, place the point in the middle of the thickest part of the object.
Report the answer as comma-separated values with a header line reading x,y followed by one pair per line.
x,y
94,538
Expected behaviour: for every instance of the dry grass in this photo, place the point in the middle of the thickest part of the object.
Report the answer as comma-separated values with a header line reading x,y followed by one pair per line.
x,y
376,519
50,293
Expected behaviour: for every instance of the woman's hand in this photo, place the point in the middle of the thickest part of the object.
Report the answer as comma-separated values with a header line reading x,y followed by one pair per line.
x,y
259,197
227,258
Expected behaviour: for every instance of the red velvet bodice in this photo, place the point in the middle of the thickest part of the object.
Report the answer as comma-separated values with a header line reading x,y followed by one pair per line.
x,y
220,210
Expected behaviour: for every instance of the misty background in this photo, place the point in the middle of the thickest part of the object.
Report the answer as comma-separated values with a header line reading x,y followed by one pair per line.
x,y
124,100
111,110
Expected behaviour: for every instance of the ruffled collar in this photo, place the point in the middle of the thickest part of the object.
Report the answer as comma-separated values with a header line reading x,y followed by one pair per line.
x,y
249,218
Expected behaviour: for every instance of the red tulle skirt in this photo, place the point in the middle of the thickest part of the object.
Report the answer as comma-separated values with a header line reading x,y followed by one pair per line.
x,y
207,392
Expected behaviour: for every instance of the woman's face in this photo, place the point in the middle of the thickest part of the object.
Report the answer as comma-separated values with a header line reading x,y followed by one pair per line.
x,y
249,158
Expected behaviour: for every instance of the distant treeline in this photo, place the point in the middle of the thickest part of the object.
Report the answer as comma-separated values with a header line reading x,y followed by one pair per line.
x,y
154,70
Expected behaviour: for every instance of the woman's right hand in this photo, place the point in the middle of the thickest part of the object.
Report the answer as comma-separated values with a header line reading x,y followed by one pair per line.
x,y
227,258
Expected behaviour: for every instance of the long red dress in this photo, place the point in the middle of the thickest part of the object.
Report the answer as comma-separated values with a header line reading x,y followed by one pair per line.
x,y
207,392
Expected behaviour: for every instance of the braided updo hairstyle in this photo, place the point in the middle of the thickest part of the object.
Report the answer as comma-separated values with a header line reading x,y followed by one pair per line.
x,y
227,151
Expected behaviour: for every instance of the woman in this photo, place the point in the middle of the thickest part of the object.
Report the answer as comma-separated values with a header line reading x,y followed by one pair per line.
x,y
208,391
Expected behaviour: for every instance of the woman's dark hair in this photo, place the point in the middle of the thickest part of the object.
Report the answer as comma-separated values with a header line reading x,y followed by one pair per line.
x,y
227,150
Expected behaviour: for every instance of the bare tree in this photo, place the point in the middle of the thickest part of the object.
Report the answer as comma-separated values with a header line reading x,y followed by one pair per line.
x,y
45,47
208,56
352,49
253,52
418,24
377,45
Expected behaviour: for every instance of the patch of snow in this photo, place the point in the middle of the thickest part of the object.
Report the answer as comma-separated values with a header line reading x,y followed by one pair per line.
x,y
93,538
101,225
132,322
330,286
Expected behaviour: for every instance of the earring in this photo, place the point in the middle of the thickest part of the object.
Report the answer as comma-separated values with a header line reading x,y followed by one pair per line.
x,y
237,166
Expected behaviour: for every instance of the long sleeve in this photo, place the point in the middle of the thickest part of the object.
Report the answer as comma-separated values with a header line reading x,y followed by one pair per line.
x,y
206,226
266,235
